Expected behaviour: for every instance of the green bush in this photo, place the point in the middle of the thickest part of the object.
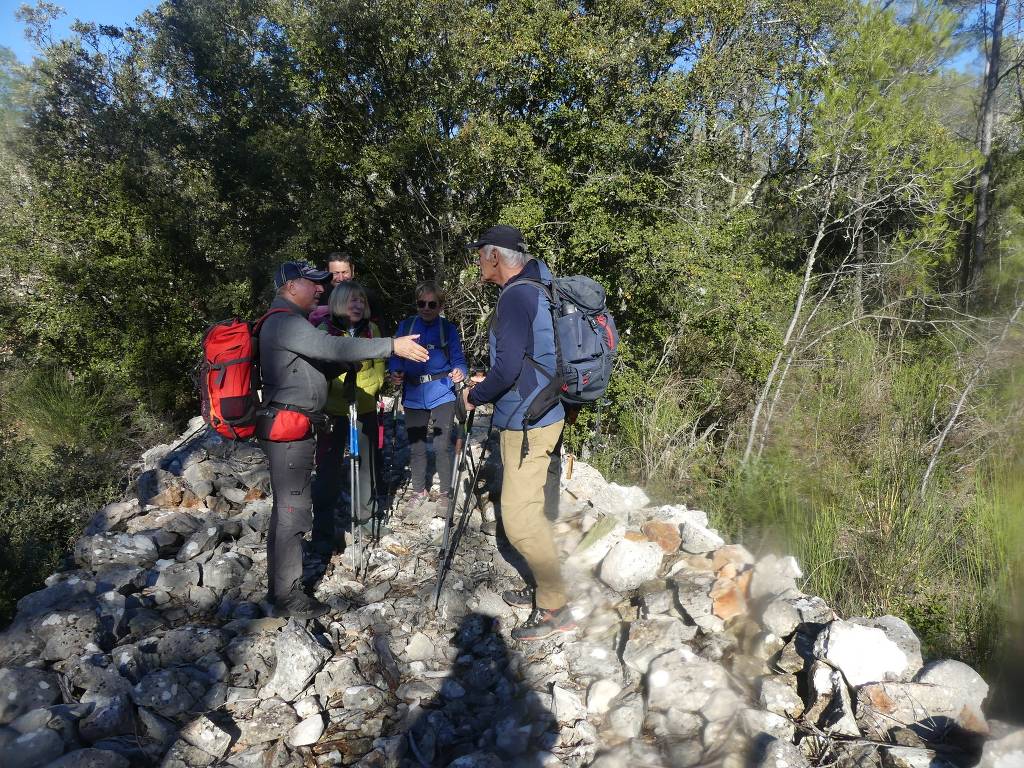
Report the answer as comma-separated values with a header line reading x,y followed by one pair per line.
x,y
65,448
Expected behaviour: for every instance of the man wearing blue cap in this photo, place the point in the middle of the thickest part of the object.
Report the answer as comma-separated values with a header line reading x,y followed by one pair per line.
x,y
296,362
529,416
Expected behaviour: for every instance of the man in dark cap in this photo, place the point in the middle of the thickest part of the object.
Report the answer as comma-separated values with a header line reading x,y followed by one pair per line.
x,y
529,416
296,362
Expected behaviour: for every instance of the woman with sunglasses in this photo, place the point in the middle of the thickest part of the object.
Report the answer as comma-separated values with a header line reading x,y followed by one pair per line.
x,y
428,391
346,315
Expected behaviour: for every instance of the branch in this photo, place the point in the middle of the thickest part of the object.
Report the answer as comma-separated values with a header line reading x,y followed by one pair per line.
x,y
971,381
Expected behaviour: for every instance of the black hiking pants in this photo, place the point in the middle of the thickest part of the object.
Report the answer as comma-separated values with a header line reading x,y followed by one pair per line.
x,y
291,469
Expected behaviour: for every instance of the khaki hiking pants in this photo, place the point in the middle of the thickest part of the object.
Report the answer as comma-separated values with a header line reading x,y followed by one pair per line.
x,y
522,508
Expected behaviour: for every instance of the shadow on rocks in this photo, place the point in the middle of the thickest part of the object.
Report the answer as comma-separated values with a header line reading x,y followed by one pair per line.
x,y
479,717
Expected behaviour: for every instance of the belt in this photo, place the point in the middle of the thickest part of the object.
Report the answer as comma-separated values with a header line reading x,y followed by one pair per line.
x,y
427,378
317,418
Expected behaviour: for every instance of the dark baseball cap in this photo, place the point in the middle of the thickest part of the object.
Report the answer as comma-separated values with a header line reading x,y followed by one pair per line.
x,y
503,236
293,270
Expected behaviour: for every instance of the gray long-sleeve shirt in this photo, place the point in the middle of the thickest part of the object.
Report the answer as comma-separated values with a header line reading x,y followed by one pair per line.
x,y
296,358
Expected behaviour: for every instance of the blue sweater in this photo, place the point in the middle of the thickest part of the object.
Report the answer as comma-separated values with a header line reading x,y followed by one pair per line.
x,y
521,328
430,394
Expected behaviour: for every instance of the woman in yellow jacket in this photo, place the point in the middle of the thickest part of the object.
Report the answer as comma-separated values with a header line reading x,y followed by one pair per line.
x,y
347,315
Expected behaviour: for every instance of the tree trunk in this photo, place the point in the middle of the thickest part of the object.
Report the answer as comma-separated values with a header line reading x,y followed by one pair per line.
x,y
974,263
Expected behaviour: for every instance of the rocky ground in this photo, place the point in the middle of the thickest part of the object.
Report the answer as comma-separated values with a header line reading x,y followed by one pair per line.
x,y
153,647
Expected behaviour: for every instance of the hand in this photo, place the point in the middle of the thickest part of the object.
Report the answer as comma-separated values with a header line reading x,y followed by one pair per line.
x,y
397,377
464,394
456,375
478,377
406,346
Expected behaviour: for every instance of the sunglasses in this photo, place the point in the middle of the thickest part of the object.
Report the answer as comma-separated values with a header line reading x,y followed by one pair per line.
x,y
426,304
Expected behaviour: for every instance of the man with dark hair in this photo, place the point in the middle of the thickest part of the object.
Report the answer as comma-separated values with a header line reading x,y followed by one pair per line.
x,y
529,416
296,361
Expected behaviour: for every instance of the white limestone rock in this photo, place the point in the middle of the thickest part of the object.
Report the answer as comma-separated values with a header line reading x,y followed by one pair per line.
x,y
683,680
306,732
600,695
630,563
863,654
207,735
568,707
698,540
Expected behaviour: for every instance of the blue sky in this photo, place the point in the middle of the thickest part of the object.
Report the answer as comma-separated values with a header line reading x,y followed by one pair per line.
x,y
116,12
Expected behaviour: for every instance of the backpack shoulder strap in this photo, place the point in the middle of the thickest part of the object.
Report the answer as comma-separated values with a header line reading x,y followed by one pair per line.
x,y
259,323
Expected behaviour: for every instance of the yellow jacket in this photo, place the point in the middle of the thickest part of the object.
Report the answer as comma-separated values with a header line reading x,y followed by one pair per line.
x,y
369,380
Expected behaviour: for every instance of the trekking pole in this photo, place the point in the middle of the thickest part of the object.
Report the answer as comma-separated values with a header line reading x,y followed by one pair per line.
x,y
454,536
390,469
353,473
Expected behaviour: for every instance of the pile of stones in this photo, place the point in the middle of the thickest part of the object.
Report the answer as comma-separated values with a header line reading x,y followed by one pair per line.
x,y
154,646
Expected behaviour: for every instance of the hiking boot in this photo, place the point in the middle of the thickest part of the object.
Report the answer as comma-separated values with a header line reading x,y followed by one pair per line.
x,y
544,623
442,505
298,605
518,598
417,500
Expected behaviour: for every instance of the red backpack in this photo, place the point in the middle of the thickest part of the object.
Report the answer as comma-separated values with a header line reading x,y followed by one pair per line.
x,y
229,379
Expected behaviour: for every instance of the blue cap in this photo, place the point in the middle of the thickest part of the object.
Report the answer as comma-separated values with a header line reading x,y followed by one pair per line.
x,y
293,270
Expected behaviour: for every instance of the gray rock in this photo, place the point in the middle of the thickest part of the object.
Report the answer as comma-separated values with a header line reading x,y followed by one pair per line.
x,y
774,576
363,698
957,675
111,516
270,721
119,578
600,695
186,645
200,477
510,737
698,539
32,749
90,758
157,730
169,692
778,695
626,715
111,716
298,657
649,638
658,601
630,563
419,648
911,757
924,708
680,679
115,549
178,577
207,735
594,659
1007,751
567,707
782,754
203,540
225,571
693,591
20,643
184,755
757,724
336,677
23,689
477,760
674,723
